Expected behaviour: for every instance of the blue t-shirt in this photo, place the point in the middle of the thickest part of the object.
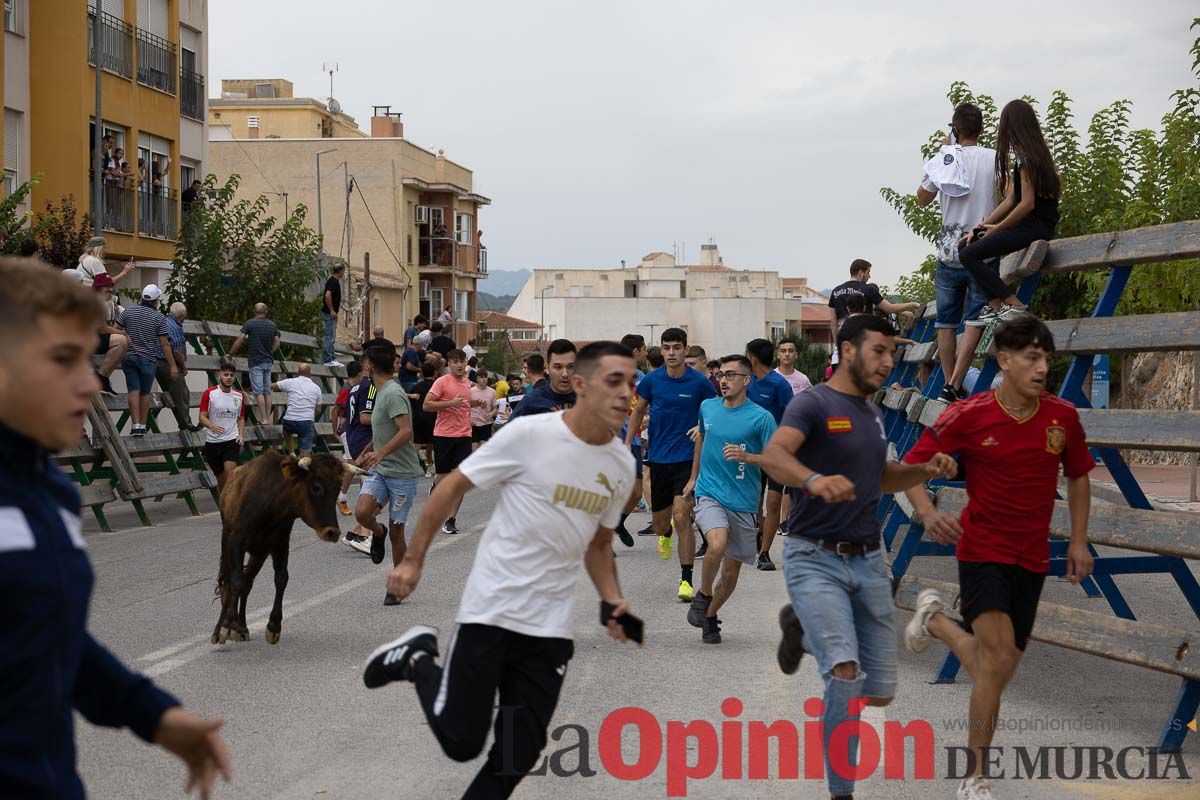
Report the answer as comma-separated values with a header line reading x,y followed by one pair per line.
x,y
772,392
637,438
410,379
735,486
843,435
674,409
542,400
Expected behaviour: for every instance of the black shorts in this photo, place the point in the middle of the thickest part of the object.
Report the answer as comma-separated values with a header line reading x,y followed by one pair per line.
x,y
481,433
449,452
217,453
422,431
1014,590
667,482
770,484
105,340
636,449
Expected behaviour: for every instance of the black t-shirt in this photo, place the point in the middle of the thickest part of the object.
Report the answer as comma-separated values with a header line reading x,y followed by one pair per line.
x,y
842,294
420,415
334,287
1045,209
441,344
188,196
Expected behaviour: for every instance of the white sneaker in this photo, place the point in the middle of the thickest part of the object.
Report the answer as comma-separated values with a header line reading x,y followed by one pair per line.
x,y
916,633
976,788
334,363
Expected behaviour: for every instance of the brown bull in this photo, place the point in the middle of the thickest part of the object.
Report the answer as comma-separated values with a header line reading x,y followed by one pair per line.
x,y
260,502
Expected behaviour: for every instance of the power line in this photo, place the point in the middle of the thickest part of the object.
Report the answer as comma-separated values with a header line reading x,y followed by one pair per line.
x,y
382,238
253,163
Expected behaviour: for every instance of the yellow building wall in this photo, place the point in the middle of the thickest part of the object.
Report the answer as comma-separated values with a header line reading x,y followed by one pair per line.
x,y
283,122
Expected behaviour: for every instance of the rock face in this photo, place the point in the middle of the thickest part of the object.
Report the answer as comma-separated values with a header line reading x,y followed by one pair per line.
x,y
1158,381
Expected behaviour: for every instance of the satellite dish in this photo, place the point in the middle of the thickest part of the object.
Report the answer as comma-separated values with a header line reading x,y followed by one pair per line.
x,y
334,106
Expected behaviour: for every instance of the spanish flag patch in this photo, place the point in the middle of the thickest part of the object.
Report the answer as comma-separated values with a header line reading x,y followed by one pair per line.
x,y
838,424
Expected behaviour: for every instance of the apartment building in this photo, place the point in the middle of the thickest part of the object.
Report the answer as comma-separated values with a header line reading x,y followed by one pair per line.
x,y
412,211
153,60
268,109
721,308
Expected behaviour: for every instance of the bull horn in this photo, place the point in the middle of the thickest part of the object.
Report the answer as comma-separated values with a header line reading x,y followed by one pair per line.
x,y
352,469
304,462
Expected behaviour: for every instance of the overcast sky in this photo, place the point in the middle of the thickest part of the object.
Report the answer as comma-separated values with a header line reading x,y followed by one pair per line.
x,y
604,131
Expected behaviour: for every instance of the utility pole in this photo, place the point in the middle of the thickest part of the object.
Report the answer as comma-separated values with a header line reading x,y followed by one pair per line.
x,y
98,137
366,295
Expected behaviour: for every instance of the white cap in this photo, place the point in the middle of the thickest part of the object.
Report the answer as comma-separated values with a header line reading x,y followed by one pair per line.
x,y
151,292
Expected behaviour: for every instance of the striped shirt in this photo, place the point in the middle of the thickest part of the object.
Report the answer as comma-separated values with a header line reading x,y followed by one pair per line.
x,y
144,325
175,335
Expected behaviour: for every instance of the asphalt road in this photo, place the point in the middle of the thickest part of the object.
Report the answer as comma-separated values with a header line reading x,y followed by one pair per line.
x,y
300,724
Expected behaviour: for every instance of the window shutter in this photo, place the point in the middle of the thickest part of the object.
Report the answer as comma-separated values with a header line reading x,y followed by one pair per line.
x,y
143,13
114,7
158,18
12,139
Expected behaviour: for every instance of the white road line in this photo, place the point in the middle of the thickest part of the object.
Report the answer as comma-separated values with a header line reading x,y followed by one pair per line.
x,y
164,663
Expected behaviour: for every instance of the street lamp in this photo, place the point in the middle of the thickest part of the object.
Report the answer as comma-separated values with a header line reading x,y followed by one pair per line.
x,y
320,227
652,326
543,331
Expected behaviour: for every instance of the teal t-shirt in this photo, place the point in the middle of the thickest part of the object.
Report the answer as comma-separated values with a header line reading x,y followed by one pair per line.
x,y
392,402
736,486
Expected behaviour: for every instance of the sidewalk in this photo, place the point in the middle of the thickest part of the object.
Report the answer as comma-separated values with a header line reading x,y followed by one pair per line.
x,y
1167,484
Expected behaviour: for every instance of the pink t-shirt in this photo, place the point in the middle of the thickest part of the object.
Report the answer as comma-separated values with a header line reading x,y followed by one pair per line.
x,y
482,414
452,422
797,380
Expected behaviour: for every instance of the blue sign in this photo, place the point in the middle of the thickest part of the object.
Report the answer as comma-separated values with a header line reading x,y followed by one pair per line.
x,y
1100,381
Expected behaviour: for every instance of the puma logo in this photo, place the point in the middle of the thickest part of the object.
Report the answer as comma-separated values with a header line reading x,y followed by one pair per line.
x,y
562,670
602,479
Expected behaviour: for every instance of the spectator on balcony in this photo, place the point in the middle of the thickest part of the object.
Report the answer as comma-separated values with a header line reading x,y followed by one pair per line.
x,y
440,343
177,388
143,174
441,246
447,315
124,172
191,195
114,344
91,263
148,342
331,305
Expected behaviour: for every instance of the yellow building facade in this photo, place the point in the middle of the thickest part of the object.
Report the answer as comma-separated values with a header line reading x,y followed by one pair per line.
x,y
267,109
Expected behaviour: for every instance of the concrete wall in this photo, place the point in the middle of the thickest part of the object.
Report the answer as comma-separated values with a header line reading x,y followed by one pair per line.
x,y
301,118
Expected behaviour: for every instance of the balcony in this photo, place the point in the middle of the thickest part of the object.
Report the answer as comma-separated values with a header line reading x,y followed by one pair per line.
x,y
482,260
118,201
116,44
191,95
158,212
156,62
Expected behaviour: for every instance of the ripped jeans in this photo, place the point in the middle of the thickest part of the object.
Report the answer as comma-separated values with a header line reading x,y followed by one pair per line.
x,y
844,604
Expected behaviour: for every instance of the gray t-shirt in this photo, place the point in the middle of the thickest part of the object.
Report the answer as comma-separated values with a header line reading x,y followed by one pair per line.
x,y
843,435
392,402
260,334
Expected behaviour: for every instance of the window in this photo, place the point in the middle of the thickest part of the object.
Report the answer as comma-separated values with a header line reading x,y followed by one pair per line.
x,y
423,287
436,302
10,16
462,305
12,150
155,155
631,288
152,16
188,171
778,330
714,291
464,229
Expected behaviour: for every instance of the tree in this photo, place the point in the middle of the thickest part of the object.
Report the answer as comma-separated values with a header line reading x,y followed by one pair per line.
x,y
231,255
15,225
1119,179
62,235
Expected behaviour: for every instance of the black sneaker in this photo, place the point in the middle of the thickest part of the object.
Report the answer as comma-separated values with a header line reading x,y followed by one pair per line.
x,y
625,536
138,430
949,394
963,394
106,386
450,526
390,662
702,549
791,646
765,563
698,610
712,631
377,551
647,531
390,599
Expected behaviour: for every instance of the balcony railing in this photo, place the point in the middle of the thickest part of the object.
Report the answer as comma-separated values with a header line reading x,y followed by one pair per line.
x,y
116,44
483,260
438,251
158,212
117,204
156,64
191,95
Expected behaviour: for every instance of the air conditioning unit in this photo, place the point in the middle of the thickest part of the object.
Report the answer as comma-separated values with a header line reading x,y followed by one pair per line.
x,y
422,215
424,289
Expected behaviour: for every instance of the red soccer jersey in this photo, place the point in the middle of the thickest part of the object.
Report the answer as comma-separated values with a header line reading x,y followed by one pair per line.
x,y
1011,472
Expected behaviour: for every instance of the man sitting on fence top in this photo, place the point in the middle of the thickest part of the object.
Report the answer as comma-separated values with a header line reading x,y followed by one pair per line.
x,y
147,330
1011,443
303,397
263,337
113,343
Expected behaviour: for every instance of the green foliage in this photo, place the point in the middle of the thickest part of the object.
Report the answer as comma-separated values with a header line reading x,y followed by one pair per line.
x,y
232,255
16,225
918,286
1120,179
500,358
62,234
811,358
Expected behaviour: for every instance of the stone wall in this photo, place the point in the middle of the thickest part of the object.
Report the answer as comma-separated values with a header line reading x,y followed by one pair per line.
x,y
1158,381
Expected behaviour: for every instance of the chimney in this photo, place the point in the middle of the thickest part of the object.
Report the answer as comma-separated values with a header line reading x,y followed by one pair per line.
x,y
710,256
386,123
252,125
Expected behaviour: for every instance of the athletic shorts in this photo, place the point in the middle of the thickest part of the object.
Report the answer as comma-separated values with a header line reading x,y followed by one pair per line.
x,y
105,341
742,526
988,586
449,452
303,430
217,453
396,494
769,484
667,482
636,449
481,433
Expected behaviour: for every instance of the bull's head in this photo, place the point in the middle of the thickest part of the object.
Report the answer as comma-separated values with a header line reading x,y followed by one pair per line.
x,y
314,482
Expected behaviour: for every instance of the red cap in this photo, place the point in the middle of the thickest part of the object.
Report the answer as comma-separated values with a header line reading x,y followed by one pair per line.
x,y
102,280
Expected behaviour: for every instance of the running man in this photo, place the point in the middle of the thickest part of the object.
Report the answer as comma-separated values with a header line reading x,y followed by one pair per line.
x,y
392,462
450,397
726,483
637,345
1011,442
788,351
832,449
672,394
223,417
553,393
359,405
562,478
769,390
340,422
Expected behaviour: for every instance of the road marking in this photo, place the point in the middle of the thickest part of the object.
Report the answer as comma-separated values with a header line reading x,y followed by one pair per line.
x,y
188,650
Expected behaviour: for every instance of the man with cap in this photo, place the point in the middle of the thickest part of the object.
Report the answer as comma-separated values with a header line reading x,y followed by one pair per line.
x,y
147,330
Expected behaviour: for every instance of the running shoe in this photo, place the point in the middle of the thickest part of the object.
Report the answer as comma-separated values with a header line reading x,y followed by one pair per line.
x,y
137,430
450,527
344,508
376,549
712,631
702,549
765,563
916,633
390,599
106,386
685,591
699,609
781,531
625,536
647,531
791,646
977,788
664,547
390,662
357,542
948,395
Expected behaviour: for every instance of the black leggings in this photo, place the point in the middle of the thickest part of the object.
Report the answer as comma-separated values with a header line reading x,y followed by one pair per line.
x,y
994,245
459,698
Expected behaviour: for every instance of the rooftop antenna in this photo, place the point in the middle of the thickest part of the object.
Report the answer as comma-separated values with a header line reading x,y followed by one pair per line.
x,y
331,67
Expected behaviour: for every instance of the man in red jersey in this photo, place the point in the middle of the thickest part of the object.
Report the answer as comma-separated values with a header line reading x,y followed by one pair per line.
x,y
1011,442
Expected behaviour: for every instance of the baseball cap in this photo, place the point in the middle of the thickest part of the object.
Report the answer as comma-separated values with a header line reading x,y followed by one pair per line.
x,y
151,292
96,241
102,280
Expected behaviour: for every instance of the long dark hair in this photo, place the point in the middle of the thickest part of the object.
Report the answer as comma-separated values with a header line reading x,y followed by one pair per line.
x,y
1019,136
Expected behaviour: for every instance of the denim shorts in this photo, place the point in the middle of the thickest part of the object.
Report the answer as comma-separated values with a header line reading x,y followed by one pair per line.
x,y
958,297
396,492
303,430
260,378
139,373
